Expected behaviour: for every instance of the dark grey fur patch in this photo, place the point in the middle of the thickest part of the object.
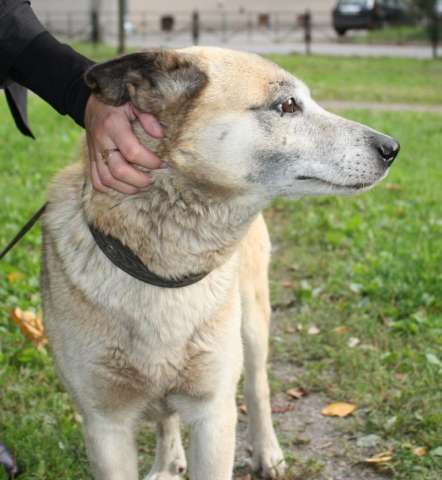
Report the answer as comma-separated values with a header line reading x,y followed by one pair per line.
x,y
266,119
270,165
157,76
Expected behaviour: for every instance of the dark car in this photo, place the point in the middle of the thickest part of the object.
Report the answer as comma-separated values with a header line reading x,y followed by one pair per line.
x,y
369,14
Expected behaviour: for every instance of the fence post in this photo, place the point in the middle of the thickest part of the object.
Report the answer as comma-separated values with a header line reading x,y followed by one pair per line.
x,y
308,31
195,27
434,33
121,30
95,22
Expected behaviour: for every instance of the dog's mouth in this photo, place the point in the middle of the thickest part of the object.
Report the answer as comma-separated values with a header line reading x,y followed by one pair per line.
x,y
354,186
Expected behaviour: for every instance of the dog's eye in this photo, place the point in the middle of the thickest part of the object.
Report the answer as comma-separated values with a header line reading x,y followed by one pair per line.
x,y
289,106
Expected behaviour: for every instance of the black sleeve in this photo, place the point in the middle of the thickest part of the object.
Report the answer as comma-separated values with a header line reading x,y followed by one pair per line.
x,y
18,26
33,58
54,71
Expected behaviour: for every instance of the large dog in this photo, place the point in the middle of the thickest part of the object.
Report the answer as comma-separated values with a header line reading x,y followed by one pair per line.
x,y
239,131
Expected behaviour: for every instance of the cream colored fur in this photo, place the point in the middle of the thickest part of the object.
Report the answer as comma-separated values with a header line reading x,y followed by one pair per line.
x,y
128,351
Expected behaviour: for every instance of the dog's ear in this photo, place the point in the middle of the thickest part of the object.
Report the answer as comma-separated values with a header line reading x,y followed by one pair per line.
x,y
153,80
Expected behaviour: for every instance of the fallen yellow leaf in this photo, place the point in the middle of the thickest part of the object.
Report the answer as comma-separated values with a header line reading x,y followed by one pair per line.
x,y
420,451
339,409
380,458
341,329
31,325
14,276
395,187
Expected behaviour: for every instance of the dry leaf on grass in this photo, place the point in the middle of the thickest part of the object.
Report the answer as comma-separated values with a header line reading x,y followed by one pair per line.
x,y
286,284
380,459
339,409
341,329
14,276
420,451
283,408
297,393
31,325
395,187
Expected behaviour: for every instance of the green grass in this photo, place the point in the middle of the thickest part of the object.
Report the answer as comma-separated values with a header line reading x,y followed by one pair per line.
x,y
371,263
398,35
367,79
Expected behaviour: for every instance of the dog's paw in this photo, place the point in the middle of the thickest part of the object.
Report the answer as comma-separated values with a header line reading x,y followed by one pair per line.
x,y
269,462
162,476
174,472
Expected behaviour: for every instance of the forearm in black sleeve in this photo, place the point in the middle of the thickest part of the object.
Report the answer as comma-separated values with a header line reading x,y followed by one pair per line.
x,y
18,27
54,71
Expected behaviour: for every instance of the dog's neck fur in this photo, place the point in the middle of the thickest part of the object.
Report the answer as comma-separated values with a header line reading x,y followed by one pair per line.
x,y
176,229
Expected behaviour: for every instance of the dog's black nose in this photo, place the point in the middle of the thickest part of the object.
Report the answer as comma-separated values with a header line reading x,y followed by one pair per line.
x,y
388,147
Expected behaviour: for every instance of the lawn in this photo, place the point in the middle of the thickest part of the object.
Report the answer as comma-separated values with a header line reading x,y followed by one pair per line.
x,y
365,268
397,35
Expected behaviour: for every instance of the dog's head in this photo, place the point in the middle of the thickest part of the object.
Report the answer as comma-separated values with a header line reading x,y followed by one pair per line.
x,y
239,122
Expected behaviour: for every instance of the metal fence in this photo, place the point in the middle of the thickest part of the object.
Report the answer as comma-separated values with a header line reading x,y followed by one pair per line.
x,y
181,28
220,24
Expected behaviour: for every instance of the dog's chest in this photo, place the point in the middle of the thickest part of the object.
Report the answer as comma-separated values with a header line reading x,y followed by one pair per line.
x,y
173,341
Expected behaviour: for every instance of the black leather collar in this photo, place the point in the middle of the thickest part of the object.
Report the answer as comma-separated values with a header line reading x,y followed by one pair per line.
x,y
125,259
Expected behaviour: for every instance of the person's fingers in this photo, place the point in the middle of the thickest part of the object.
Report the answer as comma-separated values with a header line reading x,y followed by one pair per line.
x,y
149,123
131,149
96,181
106,178
110,128
126,173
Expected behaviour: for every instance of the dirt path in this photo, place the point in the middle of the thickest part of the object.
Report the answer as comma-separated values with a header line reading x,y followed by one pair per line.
x,y
318,448
315,447
391,107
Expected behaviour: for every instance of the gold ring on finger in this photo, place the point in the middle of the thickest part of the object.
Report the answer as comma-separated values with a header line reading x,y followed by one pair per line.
x,y
106,153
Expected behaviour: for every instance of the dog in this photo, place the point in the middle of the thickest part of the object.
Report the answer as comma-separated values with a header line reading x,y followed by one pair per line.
x,y
153,301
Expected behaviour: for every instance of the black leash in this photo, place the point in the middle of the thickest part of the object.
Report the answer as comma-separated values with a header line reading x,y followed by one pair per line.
x,y
25,229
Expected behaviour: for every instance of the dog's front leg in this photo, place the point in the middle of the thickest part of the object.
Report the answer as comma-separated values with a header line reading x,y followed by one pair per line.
x,y
212,442
170,459
267,455
111,448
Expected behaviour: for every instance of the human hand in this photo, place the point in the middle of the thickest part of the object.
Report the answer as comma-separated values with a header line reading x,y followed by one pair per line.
x,y
108,129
